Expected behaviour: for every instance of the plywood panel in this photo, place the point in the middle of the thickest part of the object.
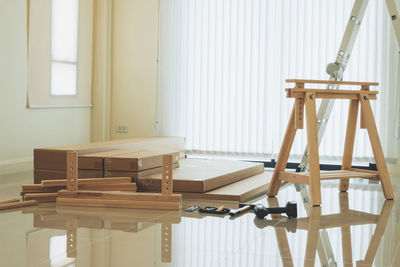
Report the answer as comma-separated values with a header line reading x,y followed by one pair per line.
x,y
237,191
200,175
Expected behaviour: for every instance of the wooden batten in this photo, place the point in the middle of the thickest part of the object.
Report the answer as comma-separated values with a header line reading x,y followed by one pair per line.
x,y
109,180
41,197
9,201
14,205
109,187
30,189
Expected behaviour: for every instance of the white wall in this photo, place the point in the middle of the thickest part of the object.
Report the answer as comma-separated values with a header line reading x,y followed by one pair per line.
x,y
24,129
134,67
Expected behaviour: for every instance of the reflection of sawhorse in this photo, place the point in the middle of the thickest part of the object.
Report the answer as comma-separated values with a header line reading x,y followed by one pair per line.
x,y
344,220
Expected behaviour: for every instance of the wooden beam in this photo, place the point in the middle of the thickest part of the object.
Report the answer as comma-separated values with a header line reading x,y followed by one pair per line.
x,y
21,204
9,201
331,82
87,181
41,197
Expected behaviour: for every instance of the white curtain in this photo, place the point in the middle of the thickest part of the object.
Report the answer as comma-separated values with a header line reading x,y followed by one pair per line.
x,y
223,65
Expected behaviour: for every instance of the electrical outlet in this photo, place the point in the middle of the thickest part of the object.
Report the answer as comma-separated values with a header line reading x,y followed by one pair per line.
x,y
121,129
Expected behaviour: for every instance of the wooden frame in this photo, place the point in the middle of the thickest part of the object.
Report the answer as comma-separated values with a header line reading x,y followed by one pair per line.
x,y
307,97
166,200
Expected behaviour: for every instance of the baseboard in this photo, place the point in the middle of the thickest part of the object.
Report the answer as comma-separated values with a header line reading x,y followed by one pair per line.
x,y
16,165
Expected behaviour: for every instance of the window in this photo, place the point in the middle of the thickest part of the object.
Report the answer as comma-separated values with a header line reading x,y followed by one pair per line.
x,y
223,65
60,34
64,47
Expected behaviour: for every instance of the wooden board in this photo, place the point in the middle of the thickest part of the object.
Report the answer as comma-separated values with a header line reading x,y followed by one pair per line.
x,y
237,191
40,174
331,82
201,175
137,161
109,180
15,205
41,197
136,174
28,189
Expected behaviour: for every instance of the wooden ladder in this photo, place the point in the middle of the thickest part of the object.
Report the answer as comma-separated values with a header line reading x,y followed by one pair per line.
x,y
306,97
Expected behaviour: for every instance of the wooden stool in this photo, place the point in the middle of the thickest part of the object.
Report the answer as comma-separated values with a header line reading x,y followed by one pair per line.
x,y
306,97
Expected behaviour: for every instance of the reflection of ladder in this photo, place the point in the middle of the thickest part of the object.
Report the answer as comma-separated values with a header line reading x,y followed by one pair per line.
x,y
305,97
336,69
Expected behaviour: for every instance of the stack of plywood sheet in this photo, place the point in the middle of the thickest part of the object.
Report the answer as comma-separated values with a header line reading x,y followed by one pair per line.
x,y
213,179
49,163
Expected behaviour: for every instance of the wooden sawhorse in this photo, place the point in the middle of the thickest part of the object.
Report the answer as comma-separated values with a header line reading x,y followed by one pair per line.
x,y
306,97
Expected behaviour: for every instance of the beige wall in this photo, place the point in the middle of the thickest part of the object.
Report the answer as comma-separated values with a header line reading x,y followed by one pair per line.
x,y
24,129
134,67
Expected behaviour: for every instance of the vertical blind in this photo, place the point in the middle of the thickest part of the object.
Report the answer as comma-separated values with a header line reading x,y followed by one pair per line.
x,y
223,65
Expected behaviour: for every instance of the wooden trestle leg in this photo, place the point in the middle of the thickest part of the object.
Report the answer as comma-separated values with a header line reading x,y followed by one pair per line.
x,y
283,157
312,146
376,147
349,142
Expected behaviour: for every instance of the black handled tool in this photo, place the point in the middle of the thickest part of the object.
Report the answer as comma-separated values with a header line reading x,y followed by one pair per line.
x,y
240,211
261,211
214,210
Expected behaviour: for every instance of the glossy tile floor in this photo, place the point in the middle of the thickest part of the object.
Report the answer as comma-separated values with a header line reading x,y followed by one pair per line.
x,y
358,228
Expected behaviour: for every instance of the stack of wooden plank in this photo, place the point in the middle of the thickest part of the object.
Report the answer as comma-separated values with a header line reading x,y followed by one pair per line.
x,y
217,179
48,190
49,163
141,160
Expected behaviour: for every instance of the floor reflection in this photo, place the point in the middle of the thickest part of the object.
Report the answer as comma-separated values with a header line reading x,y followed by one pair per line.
x,y
326,236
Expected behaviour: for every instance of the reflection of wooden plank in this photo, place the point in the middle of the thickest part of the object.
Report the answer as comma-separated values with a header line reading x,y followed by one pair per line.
x,y
117,203
166,242
238,191
72,236
347,218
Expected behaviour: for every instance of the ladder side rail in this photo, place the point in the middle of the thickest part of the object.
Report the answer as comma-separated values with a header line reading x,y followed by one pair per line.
x,y
336,71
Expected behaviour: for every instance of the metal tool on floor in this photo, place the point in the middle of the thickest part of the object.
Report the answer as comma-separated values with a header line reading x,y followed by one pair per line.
x,y
241,210
261,211
215,210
